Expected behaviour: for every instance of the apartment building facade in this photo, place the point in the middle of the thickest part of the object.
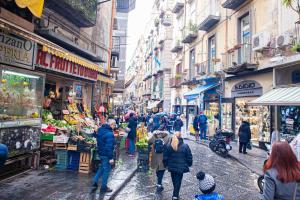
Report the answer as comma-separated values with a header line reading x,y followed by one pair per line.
x,y
227,54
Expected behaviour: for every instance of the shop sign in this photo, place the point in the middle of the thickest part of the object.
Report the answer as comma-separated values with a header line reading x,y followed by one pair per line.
x,y
16,51
55,63
246,89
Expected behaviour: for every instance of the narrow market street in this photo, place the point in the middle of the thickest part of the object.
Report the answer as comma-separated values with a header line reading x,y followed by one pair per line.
x,y
233,180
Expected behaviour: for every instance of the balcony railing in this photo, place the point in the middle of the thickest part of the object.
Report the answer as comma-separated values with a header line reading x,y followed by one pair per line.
x,y
177,46
209,16
83,13
233,4
239,54
202,68
177,6
189,33
175,82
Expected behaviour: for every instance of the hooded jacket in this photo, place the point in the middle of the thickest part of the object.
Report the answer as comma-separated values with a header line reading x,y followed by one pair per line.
x,y
105,141
245,132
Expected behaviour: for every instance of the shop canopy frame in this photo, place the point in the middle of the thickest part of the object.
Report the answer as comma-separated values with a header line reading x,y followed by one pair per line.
x,y
191,95
284,96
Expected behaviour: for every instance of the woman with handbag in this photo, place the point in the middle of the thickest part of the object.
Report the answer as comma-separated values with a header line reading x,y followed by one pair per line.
x,y
244,136
282,174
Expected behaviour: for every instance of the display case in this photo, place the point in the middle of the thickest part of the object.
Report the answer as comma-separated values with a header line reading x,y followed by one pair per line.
x,y
227,116
21,96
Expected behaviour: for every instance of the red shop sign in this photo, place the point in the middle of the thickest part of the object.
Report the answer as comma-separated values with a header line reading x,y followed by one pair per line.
x,y
55,63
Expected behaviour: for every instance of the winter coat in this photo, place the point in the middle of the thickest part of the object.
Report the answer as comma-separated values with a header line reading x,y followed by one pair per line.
x,y
212,196
196,123
132,124
105,141
178,161
177,125
277,190
245,132
157,158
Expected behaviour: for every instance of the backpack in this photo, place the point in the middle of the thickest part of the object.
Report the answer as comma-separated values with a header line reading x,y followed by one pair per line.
x,y
159,145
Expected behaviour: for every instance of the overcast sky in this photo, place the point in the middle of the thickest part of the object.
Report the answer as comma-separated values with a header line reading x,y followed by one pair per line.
x,y
138,19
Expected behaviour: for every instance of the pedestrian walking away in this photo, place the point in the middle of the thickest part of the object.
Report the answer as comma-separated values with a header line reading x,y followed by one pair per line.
x,y
177,158
196,128
178,124
159,140
244,136
202,121
282,174
105,147
132,125
207,186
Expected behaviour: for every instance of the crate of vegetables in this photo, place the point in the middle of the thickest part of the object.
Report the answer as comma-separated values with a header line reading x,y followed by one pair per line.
x,y
47,136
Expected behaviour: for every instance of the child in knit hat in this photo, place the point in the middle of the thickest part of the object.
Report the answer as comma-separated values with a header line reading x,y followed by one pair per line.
x,y
207,185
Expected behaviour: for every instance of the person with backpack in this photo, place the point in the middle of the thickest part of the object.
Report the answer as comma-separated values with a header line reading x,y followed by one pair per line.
x,y
177,158
159,140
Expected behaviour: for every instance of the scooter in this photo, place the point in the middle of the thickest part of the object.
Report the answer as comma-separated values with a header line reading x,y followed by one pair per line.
x,y
220,143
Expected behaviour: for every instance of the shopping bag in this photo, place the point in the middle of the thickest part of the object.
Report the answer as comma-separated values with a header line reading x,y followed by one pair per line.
x,y
249,145
191,129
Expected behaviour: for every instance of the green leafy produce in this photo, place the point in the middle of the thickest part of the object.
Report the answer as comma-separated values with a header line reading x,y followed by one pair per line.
x,y
143,144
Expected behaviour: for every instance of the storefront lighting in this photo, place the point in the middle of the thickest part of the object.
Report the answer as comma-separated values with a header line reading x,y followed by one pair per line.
x,y
20,74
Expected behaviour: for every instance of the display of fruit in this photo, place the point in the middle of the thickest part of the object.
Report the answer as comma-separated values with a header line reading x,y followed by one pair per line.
x,y
35,115
25,84
142,144
3,81
50,128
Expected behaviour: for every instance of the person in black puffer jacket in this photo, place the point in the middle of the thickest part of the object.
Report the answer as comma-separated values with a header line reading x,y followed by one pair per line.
x,y
177,158
244,136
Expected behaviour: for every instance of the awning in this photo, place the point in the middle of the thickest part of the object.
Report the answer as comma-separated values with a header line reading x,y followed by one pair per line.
x,y
195,92
289,96
153,104
105,79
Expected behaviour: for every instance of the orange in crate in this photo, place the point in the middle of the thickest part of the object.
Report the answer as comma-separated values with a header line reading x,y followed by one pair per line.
x,y
84,163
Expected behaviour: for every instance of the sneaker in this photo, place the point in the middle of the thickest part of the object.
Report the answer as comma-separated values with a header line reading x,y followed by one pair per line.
x,y
95,185
106,190
159,188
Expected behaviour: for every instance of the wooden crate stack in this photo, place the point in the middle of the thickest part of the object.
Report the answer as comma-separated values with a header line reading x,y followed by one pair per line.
x,y
85,163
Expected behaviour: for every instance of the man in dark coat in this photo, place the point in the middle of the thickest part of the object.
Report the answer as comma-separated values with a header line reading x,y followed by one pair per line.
x,y
105,148
178,124
132,124
244,136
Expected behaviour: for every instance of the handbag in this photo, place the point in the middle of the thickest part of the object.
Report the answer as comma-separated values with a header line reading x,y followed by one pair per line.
x,y
249,145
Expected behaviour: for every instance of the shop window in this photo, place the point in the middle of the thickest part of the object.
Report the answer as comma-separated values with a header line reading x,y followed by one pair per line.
x,y
192,64
211,54
257,116
244,37
290,120
296,77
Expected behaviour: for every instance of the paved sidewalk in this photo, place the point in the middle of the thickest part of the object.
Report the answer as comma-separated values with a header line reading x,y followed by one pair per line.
x,y
254,160
66,185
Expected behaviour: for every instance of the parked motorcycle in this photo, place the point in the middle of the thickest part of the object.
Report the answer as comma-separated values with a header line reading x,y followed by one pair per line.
x,y
220,143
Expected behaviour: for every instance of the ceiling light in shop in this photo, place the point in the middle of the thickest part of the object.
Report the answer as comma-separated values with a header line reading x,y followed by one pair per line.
x,y
20,74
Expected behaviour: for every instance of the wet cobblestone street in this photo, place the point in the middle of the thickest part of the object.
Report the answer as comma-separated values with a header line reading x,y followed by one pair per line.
x,y
233,180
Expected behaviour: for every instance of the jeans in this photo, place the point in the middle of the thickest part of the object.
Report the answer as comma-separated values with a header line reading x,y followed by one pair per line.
x,y
203,133
176,180
131,146
160,175
103,171
243,146
3,154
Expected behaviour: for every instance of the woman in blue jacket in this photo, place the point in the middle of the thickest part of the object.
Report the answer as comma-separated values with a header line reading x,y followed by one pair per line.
x,y
177,158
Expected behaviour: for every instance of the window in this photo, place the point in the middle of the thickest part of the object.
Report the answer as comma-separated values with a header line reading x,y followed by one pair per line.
x,y
192,12
192,64
114,60
244,39
211,54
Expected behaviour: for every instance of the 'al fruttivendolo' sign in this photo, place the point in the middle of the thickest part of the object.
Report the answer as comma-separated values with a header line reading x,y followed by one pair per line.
x,y
16,51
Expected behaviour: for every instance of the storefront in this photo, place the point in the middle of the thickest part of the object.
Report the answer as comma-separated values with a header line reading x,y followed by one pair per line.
x,y
21,94
259,117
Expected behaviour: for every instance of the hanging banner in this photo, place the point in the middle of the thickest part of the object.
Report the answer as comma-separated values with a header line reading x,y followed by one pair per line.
x,y
16,50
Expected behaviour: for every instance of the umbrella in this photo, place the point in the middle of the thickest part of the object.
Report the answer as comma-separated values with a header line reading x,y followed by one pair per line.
x,y
127,115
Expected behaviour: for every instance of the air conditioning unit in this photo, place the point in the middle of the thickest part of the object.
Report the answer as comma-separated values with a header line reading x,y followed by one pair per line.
x,y
260,41
284,40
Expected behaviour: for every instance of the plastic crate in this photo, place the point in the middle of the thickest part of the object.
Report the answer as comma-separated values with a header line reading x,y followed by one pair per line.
x,y
47,136
62,159
73,160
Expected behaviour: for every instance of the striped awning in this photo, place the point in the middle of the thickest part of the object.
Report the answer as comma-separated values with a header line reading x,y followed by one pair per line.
x,y
288,96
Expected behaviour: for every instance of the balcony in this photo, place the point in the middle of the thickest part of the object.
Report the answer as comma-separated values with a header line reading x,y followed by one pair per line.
x,y
210,16
177,47
202,68
175,82
178,5
82,13
189,33
239,60
233,4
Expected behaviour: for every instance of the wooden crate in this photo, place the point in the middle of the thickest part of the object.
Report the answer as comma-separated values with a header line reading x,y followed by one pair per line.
x,y
72,147
85,163
61,146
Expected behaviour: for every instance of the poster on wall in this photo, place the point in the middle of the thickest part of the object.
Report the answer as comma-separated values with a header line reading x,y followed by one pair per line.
x,y
16,50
